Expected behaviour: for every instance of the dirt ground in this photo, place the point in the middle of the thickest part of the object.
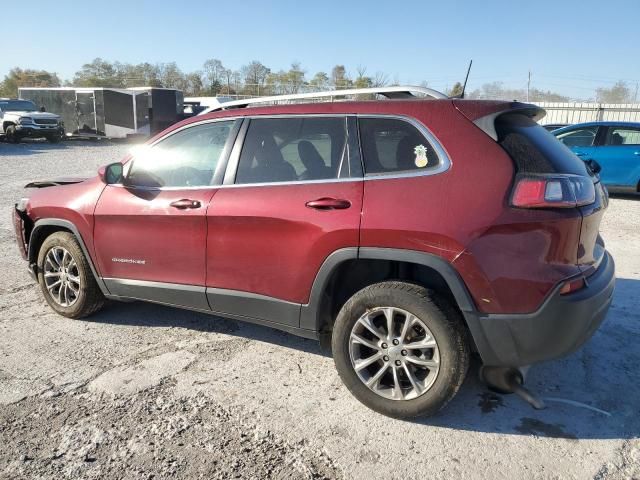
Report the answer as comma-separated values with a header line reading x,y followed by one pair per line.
x,y
145,391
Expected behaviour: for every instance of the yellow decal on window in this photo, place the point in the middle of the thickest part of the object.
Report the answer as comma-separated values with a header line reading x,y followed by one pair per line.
x,y
421,156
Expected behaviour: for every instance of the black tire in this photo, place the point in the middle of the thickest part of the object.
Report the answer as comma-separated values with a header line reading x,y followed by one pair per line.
x,y
89,298
446,326
54,138
11,134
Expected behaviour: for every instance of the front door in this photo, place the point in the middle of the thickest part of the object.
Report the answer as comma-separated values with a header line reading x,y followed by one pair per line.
x,y
619,157
292,202
150,232
582,141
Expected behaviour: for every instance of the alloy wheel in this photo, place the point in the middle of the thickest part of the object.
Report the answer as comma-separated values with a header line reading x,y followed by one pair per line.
x,y
394,353
61,276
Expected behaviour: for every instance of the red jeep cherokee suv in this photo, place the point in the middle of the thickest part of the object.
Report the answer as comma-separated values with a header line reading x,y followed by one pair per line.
x,y
408,232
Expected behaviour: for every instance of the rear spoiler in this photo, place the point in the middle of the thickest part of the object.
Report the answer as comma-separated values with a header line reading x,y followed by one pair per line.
x,y
484,114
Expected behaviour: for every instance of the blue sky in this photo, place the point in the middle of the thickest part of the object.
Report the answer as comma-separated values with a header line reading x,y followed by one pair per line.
x,y
570,46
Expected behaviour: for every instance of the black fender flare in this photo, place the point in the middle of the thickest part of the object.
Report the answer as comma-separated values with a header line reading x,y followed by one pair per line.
x,y
67,225
310,315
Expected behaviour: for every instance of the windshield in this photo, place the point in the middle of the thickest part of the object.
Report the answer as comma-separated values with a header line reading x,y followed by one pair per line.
x,y
17,106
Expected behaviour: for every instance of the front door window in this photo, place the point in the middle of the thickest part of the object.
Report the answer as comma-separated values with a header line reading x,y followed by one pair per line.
x,y
185,159
581,137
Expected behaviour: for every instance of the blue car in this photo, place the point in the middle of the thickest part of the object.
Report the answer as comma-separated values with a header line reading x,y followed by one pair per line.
x,y
615,146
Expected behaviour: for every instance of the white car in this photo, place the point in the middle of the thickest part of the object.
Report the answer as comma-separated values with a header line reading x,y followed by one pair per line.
x,y
21,118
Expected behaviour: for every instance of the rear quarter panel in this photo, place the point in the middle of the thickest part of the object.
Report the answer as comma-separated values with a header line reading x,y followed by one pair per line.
x,y
509,259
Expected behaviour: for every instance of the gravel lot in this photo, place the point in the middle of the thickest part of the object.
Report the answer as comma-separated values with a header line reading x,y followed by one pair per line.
x,y
142,391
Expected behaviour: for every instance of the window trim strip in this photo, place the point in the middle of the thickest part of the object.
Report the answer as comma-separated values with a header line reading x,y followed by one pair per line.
x,y
233,158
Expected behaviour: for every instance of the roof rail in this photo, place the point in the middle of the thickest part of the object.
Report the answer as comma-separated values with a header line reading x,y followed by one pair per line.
x,y
396,92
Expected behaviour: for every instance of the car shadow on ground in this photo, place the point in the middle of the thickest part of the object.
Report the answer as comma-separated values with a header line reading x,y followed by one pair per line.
x,y
151,315
592,394
625,196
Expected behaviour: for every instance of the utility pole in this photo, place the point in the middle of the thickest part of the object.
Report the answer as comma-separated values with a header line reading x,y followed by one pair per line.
x,y
528,85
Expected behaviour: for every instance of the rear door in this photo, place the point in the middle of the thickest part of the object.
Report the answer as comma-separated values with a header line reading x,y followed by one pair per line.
x,y
150,232
291,198
620,157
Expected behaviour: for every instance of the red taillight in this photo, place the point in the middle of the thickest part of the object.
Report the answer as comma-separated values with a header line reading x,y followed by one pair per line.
x,y
552,191
572,285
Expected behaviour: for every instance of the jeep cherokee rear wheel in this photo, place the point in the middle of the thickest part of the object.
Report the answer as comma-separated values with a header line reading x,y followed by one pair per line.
x,y
400,349
65,277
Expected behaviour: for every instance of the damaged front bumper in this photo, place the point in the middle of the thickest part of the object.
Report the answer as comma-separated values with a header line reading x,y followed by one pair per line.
x,y
20,227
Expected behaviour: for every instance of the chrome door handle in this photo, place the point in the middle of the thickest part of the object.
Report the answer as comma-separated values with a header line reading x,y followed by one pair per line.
x,y
636,153
580,154
185,203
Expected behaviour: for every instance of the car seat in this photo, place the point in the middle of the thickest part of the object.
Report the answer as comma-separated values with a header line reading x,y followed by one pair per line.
x,y
314,165
616,139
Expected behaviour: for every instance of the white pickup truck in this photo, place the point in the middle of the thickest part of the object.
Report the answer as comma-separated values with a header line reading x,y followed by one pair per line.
x,y
21,118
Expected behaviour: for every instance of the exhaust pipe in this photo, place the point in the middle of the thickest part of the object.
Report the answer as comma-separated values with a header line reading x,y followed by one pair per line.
x,y
510,380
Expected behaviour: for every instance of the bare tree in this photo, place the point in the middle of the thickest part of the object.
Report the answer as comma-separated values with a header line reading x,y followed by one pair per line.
x,y
319,81
228,78
214,73
255,74
456,91
295,77
339,78
27,78
193,84
618,93
172,77
380,79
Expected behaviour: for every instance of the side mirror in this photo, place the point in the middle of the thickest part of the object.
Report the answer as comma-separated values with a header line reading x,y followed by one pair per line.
x,y
42,109
594,166
111,174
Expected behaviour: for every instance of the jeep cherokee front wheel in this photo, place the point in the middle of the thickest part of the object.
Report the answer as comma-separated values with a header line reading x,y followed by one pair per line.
x,y
65,277
400,349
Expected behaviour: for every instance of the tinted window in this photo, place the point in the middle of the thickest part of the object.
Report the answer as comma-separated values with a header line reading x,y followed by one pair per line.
x,y
187,158
533,149
292,149
580,137
394,145
623,136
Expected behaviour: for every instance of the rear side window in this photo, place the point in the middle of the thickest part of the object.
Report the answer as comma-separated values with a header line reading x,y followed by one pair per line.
x,y
623,136
292,149
391,145
533,149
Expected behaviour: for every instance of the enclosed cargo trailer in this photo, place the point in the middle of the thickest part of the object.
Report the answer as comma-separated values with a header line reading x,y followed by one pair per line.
x,y
165,106
109,112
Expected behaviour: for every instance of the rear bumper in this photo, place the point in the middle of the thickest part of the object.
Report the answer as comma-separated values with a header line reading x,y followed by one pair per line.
x,y
562,325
